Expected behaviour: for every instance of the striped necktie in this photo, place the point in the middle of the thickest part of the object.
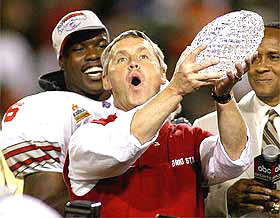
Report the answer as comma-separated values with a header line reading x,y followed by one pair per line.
x,y
270,135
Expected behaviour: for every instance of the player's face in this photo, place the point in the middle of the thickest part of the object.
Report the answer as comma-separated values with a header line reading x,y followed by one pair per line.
x,y
134,73
264,74
82,65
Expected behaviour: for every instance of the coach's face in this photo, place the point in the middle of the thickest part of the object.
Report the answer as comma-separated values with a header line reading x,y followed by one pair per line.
x,y
264,74
81,63
134,74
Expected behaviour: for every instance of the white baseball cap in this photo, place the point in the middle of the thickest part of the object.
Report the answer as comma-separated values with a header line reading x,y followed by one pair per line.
x,y
73,22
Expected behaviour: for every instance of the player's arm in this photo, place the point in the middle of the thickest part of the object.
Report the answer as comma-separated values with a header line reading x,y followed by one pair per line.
x,y
31,156
48,187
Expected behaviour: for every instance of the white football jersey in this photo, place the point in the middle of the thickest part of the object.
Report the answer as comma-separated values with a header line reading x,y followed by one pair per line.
x,y
37,129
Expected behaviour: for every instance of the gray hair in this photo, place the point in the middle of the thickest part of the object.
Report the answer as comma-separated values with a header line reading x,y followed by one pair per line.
x,y
131,33
275,25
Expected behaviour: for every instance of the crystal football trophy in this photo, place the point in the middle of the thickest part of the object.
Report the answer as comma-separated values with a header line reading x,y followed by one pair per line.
x,y
229,38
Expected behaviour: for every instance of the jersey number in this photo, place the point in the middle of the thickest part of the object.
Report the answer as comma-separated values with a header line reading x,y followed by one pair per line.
x,y
11,112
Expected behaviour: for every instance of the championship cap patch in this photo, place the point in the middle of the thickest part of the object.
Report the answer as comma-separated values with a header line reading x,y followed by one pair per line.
x,y
70,22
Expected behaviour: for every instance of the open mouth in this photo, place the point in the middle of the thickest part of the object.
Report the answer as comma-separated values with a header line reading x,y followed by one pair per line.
x,y
135,81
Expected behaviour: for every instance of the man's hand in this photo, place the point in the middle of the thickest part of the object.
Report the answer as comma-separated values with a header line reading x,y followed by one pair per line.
x,y
224,85
187,78
274,203
247,195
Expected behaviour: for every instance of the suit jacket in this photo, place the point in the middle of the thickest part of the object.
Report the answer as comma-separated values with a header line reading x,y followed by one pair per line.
x,y
216,205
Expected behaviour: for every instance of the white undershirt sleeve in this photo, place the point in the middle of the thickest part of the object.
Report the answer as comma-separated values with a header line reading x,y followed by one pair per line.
x,y
217,166
97,151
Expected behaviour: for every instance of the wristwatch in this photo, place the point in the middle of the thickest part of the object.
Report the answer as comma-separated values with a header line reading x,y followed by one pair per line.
x,y
222,99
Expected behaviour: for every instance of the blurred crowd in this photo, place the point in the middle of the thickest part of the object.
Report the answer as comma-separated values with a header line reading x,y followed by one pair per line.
x,y
25,41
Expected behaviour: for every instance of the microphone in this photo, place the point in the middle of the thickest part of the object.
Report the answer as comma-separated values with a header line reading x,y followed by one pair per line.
x,y
164,216
267,166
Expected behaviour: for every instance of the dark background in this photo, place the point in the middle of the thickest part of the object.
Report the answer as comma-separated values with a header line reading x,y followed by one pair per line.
x,y
26,26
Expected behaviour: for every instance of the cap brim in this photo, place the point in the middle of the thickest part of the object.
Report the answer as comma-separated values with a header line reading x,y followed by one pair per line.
x,y
84,28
